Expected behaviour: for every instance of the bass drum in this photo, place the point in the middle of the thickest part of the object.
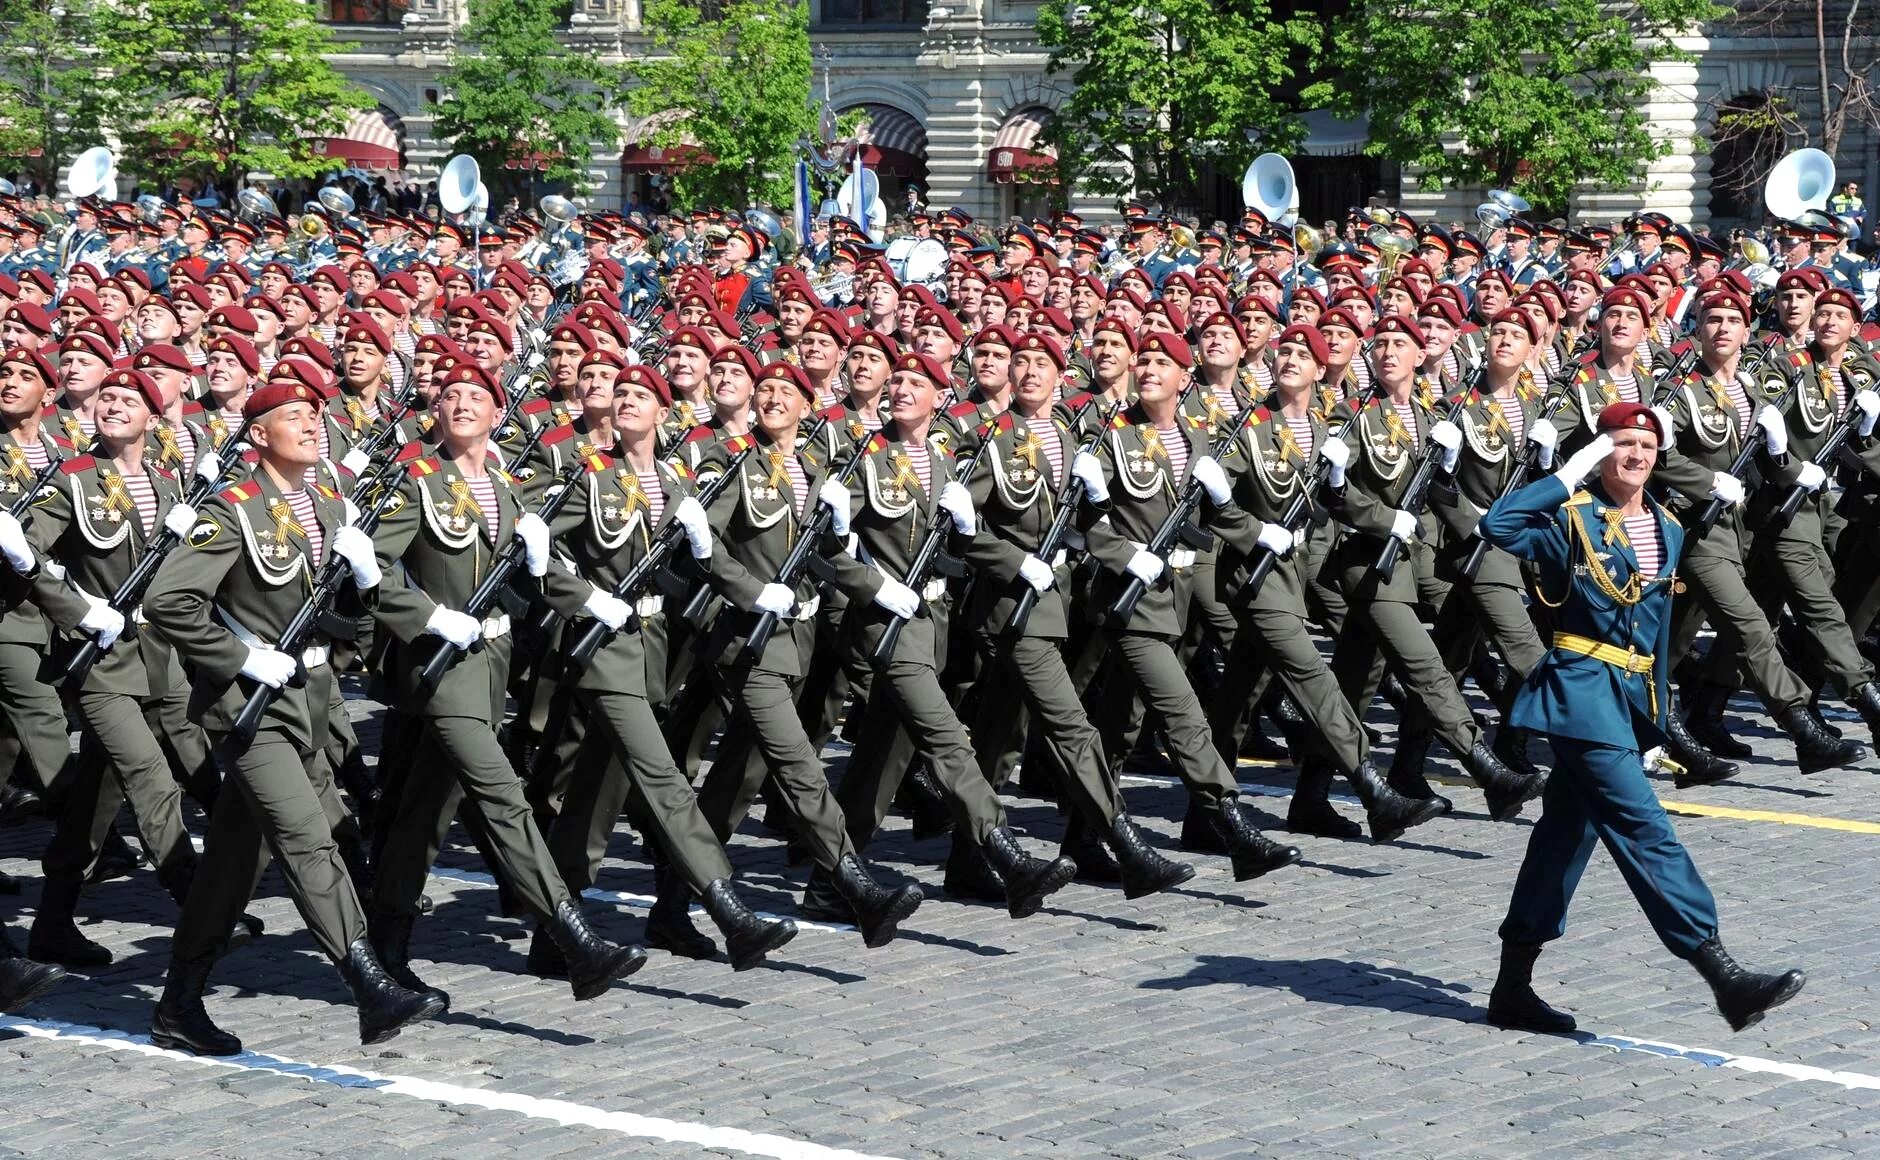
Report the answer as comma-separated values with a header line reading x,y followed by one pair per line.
x,y
898,250
926,262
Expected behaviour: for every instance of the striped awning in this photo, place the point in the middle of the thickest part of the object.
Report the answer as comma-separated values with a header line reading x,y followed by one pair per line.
x,y
1016,154
371,139
893,143
641,155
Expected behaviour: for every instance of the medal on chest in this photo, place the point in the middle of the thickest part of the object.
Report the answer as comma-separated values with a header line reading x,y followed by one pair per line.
x,y
1023,468
458,507
113,502
275,547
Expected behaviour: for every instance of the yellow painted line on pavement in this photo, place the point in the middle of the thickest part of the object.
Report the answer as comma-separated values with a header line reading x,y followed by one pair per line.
x,y
1846,825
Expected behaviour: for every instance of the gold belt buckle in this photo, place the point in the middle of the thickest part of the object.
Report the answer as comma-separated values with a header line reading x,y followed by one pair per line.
x,y
1634,663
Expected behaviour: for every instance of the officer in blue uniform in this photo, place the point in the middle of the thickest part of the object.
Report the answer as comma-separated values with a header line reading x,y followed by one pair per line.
x,y
1606,557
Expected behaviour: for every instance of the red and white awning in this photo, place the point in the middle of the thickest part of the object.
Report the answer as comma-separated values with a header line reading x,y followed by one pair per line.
x,y
371,139
893,143
1016,154
642,156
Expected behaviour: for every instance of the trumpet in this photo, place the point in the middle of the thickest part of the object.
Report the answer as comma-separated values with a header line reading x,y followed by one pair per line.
x,y
1391,250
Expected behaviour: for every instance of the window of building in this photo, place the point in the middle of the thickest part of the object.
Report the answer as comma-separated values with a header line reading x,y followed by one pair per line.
x,y
876,13
382,12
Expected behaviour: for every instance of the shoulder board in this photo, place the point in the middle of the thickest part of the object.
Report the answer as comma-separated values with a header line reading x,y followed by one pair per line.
x,y
834,412
560,433
536,406
598,461
738,443
679,469
1800,358
326,491
192,408
163,472
1580,499
1590,357
767,342
426,465
1118,421
964,410
1585,374
240,492
1262,415
875,443
1002,422
1077,400
702,431
63,444
410,451
1681,347
77,464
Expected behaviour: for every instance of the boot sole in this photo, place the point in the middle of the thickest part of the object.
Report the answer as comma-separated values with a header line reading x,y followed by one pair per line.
x,y
1787,992
1180,873
746,957
1687,781
620,965
1025,901
171,1042
1426,811
1507,1023
47,982
1858,754
1247,872
429,1008
701,950
84,961
881,932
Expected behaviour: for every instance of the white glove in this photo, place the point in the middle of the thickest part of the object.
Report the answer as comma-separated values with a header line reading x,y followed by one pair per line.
x,y
1665,424
1207,472
835,496
1403,526
698,527
1448,436
104,622
459,628
1812,476
208,468
1144,566
1581,463
775,598
179,520
1869,404
534,536
13,544
1086,467
1727,488
1775,432
1546,437
352,511
897,598
957,502
269,666
607,608
1276,539
355,461
1036,573
1336,454
355,547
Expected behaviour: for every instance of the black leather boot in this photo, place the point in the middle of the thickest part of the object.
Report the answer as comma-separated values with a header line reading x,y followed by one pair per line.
x,y
1407,765
1513,1004
359,785
390,935
181,1022
1866,701
9,883
1815,750
1312,811
1489,676
748,938
1082,846
970,875
1144,870
55,936
1701,766
1511,745
116,859
385,1006
19,802
1027,879
592,962
929,808
21,979
669,923
822,902
878,910
1389,812
1743,996
1505,789
1706,721
1252,853
1200,832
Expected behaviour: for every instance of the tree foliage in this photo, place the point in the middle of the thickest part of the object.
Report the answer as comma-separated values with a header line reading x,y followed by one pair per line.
x,y
1537,97
516,93
1161,88
49,99
735,88
219,88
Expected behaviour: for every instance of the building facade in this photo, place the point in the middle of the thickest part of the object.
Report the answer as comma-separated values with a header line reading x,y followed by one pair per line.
x,y
956,93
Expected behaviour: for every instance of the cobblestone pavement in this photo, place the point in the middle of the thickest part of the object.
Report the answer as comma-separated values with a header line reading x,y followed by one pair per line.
x,y
1334,1008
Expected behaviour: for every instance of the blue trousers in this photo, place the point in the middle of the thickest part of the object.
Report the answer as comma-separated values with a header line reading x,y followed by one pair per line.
x,y
1600,791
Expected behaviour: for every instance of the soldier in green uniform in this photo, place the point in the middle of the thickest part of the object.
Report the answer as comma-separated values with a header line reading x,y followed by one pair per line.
x,y
455,513
222,601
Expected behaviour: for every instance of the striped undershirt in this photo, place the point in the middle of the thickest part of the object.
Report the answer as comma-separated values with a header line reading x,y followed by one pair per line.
x,y
1052,446
1407,414
1176,445
1627,386
1740,401
922,463
36,455
1301,429
799,482
483,489
308,517
1642,530
1511,414
144,494
655,494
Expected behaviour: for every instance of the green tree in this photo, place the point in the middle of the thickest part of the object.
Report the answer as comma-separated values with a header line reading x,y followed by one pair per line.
x,y
516,93
1163,90
48,86
737,87
1537,97
218,88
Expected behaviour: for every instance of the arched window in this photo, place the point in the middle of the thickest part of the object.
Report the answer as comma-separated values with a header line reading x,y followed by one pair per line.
x,y
1750,135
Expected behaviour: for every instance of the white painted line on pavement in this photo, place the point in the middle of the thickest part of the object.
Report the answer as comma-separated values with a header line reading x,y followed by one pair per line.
x,y
637,901
562,1112
1708,1058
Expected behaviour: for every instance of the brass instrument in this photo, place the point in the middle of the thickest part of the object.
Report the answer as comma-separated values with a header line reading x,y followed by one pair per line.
x,y
1391,249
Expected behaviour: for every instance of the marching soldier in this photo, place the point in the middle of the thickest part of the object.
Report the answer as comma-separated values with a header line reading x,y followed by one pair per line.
x,y
222,601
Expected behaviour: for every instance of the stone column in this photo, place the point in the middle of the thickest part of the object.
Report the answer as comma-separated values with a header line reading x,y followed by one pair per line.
x,y
1678,183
